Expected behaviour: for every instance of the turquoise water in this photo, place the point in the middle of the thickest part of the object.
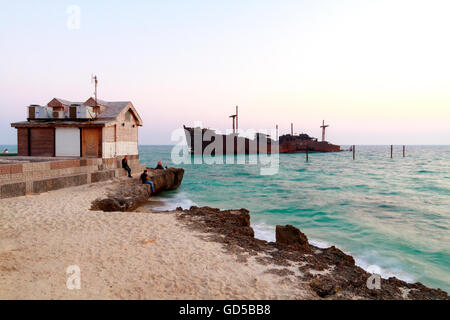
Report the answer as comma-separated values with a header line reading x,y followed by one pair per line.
x,y
392,215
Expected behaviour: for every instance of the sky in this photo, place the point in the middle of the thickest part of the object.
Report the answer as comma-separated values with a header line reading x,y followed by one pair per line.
x,y
378,72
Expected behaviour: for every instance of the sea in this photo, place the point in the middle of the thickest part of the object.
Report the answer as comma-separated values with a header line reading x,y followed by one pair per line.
x,y
391,214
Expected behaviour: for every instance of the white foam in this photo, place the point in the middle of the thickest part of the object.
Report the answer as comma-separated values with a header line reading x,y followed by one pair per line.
x,y
319,243
172,202
266,232
383,272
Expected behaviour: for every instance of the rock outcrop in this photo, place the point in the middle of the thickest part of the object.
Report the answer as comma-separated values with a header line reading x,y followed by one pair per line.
x,y
292,236
232,223
329,273
128,195
168,179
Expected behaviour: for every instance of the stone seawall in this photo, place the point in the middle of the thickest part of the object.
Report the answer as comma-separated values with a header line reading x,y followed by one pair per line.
x,y
31,175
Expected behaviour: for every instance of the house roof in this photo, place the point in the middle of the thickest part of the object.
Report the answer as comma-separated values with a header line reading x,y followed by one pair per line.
x,y
113,108
110,112
66,102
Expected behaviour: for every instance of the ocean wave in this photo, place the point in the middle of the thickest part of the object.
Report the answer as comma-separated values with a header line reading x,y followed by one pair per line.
x,y
385,273
266,232
171,202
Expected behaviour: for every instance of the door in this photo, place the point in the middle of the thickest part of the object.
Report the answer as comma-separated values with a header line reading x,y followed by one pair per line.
x,y
67,142
91,142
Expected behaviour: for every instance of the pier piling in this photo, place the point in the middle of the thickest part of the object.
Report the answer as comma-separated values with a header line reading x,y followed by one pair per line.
x,y
307,155
353,149
404,151
392,150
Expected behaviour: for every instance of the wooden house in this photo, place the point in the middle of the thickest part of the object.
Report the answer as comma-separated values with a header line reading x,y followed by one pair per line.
x,y
98,129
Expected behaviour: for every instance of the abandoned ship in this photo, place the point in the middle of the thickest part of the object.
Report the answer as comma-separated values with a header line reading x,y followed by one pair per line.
x,y
207,141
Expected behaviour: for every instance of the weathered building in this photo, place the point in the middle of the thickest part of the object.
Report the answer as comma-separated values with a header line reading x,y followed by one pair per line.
x,y
97,129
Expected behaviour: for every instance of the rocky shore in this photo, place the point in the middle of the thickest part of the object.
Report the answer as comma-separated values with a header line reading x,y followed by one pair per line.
x,y
329,273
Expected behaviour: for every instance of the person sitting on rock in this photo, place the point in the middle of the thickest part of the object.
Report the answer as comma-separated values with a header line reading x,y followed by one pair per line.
x,y
146,180
126,167
159,166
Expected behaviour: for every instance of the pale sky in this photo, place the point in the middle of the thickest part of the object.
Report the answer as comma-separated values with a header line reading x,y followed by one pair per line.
x,y
377,71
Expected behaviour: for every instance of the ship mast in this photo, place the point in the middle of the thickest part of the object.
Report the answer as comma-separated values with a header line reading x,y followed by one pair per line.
x,y
235,118
323,126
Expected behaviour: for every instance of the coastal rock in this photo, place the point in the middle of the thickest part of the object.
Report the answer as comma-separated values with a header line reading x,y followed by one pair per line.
x,y
128,197
290,235
338,257
168,179
130,194
229,222
114,204
324,287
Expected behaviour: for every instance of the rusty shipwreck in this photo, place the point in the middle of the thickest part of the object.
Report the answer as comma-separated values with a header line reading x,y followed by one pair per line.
x,y
207,141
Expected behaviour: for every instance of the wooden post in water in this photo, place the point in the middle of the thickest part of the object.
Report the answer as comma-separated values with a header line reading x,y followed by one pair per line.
x,y
307,155
392,150
404,151
353,148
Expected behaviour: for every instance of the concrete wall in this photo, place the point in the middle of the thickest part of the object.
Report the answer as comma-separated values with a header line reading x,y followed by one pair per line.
x,y
119,148
18,179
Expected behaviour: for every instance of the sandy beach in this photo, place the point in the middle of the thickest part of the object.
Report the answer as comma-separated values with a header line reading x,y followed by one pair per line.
x,y
122,255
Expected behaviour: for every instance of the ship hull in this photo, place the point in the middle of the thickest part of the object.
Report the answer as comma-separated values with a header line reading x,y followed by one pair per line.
x,y
224,144
296,146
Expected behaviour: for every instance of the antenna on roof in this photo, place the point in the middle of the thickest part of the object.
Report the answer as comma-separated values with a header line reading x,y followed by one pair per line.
x,y
95,81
